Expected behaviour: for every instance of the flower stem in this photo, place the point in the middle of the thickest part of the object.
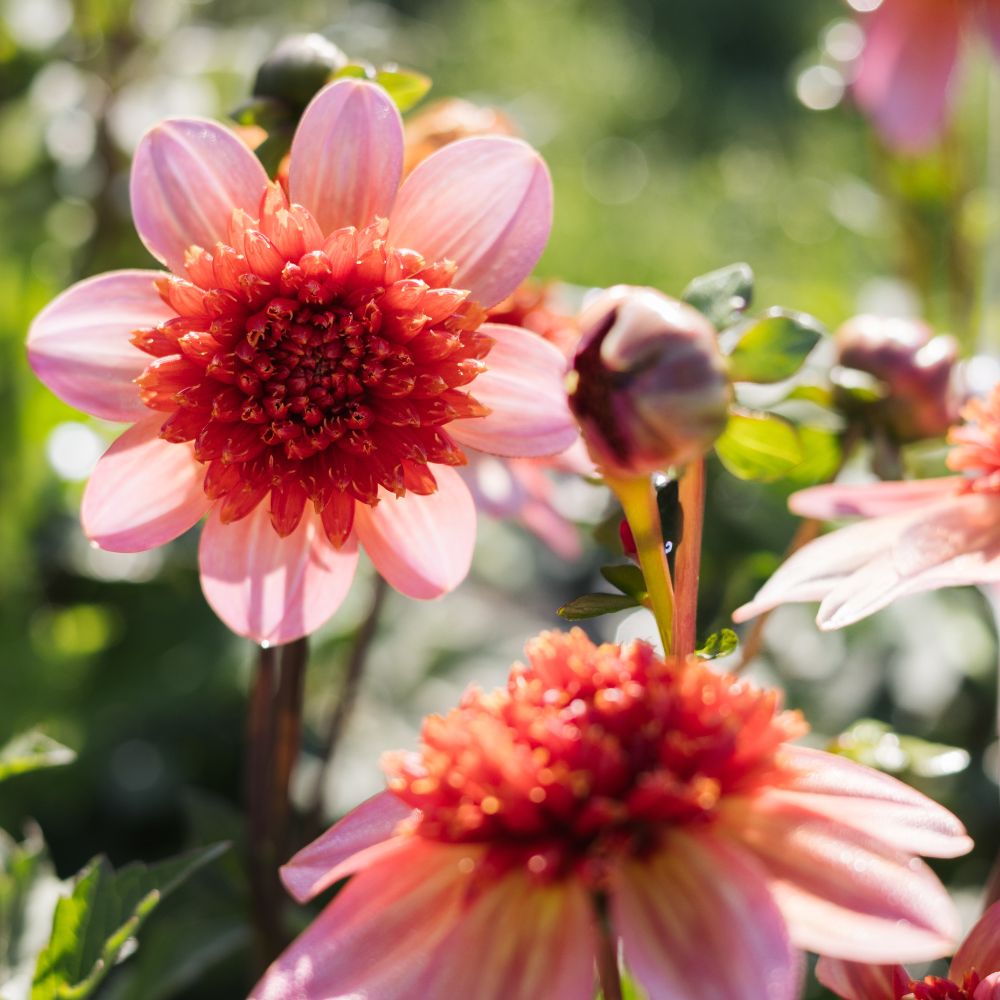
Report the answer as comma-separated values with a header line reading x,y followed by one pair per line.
x,y
356,661
687,562
608,973
637,496
274,730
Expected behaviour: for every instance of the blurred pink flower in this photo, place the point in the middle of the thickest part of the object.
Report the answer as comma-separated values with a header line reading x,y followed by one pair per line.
x,y
315,354
909,62
606,776
974,973
920,535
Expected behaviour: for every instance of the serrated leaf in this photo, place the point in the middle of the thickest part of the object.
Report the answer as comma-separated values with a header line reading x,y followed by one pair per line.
x,y
759,446
721,295
628,578
876,744
773,347
406,87
93,928
593,605
720,643
29,890
32,751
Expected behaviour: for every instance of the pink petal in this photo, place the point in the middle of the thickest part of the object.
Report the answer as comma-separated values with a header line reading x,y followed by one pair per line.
x,y
525,389
372,822
379,933
486,204
143,492
906,69
347,155
518,940
871,499
843,893
273,589
950,544
78,345
989,988
812,572
857,981
697,923
830,786
981,948
422,545
188,175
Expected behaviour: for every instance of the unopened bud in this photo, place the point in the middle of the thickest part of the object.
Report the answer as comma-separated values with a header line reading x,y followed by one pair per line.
x,y
297,69
915,368
650,388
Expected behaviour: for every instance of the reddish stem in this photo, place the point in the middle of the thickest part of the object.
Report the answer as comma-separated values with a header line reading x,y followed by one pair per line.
x,y
687,563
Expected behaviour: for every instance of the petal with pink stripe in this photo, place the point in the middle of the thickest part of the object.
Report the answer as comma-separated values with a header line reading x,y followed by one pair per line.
x,y
79,346
273,589
143,492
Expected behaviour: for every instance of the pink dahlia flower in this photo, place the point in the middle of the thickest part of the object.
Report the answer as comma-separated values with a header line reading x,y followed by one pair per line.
x,y
658,791
919,535
974,973
313,369
908,64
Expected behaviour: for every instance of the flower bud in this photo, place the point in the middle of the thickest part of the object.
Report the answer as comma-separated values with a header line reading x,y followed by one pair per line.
x,y
650,388
914,367
297,68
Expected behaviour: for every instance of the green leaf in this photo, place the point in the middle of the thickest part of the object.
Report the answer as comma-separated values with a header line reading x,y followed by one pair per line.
x,y
30,752
29,890
593,605
628,578
759,446
94,927
821,395
721,295
404,86
266,112
823,456
356,70
273,149
773,347
877,745
718,644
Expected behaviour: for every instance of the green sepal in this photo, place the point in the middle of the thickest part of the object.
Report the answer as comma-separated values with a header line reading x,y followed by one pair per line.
x,y
720,643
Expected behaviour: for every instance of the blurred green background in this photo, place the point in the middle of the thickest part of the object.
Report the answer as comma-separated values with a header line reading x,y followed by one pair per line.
x,y
681,137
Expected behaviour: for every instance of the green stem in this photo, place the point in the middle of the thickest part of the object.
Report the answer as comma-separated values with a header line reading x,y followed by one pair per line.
x,y
687,562
637,496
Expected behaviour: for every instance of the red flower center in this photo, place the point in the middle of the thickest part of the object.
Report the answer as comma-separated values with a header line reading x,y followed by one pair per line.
x,y
589,749
934,988
313,374
977,444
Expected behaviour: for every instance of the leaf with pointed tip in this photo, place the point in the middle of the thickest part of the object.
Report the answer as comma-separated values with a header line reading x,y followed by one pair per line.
x,y
628,578
94,928
773,347
594,605
718,644
404,86
32,751
759,446
721,295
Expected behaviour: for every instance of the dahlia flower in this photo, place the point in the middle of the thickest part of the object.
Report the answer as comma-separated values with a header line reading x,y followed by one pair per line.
x,y
974,973
314,366
605,778
908,64
919,535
